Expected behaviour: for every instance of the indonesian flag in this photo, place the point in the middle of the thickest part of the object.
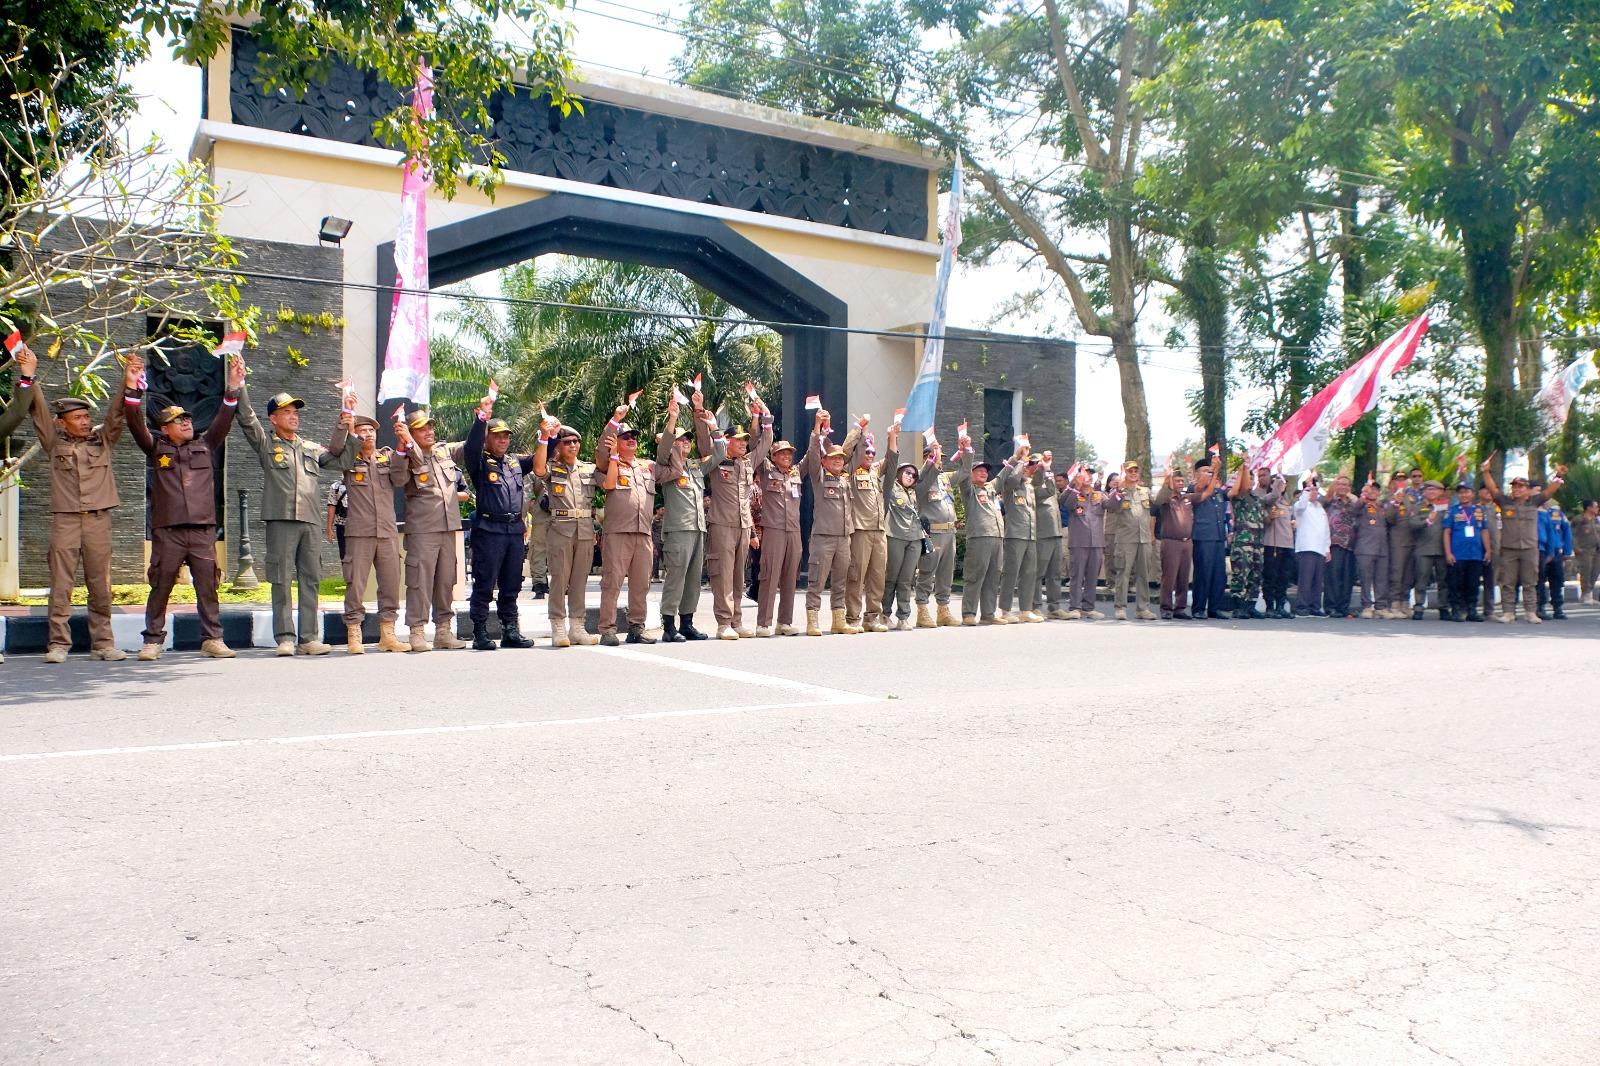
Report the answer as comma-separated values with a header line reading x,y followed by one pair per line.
x,y
1300,442
494,390
347,396
900,416
1555,399
961,430
232,344
14,343
678,397
633,398
407,374
696,383
814,403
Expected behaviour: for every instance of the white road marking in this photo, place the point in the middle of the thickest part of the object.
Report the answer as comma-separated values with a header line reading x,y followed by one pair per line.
x,y
822,697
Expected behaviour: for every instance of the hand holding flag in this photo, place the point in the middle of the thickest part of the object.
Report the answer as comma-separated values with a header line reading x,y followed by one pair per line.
x,y
899,416
347,396
814,403
678,397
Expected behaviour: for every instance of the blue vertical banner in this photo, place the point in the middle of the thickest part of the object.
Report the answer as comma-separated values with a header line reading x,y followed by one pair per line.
x,y
924,399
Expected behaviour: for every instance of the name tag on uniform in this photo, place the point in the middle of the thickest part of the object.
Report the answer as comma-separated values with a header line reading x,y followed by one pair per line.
x,y
983,496
794,489
863,481
1468,531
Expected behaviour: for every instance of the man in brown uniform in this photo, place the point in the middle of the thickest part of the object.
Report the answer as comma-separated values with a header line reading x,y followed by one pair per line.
x,y
728,522
83,494
869,545
830,528
565,487
183,511
1135,533
1516,549
371,540
433,529
626,547
779,485
1177,525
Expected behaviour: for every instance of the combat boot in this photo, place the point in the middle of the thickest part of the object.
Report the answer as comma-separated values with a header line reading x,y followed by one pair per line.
x,y
947,617
907,624
150,652
480,637
1032,616
879,626
540,590
353,643
636,634
727,633
215,649
1120,614
419,639
511,636
969,619
1013,618
789,631
312,647
608,638
686,627
387,641
669,631
1531,617
763,632
56,653
1060,614
444,636
1146,615
925,617
812,628
108,655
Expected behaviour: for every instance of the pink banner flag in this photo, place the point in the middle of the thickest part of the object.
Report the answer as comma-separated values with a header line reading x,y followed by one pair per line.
x,y
1300,442
406,370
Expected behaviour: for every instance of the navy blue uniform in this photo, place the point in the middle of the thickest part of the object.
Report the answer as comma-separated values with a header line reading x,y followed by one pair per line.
x,y
497,533
1210,541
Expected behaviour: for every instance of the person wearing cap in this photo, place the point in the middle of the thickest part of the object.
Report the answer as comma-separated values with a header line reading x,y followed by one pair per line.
x,y
626,548
1085,507
498,532
181,473
778,487
371,538
83,493
1555,548
1585,549
1174,530
869,545
1344,511
1019,558
1427,527
831,526
428,476
1404,502
1277,551
936,570
566,486
1466,548
980,572
1517,550
1129,517
1371,547
291,506
728,524
683,529
903,528
1047,526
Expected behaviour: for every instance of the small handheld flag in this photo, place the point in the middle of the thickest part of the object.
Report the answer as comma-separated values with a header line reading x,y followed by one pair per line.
x,y
899,415
1023,441
678,397
494,390
347,396
814,403
633,397
695,384
14,343
232,344
961,430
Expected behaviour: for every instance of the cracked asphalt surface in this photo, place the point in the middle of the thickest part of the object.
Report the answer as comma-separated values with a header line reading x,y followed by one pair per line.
x,y
1177,843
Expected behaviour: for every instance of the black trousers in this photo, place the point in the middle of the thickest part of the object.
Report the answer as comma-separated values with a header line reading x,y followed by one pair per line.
x,y
1466,576
1552,583
1210,580
497,557
1277,567
1339,581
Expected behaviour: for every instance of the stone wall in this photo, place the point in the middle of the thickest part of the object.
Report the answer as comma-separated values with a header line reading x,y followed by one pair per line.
x,y
1043,370
272,370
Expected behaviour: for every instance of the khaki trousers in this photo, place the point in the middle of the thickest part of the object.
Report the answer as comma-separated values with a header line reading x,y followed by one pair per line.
x,y
624,555
571,559
170,549
869,559
980,576
1086,566
683,554
1049,579
539,551
363,555
780,572
901,575
830,562
294,557
727,558
1516,568
430,577
86,536
936,571
1019,574
1133,561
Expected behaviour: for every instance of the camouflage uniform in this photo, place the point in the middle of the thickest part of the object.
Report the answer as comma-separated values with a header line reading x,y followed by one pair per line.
x,y
1246,553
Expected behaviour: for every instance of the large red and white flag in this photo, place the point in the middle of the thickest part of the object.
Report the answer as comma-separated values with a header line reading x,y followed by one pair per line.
x,y
407,374
1300,442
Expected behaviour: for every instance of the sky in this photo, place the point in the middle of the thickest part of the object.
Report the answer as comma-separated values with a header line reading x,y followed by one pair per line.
x,y
607,31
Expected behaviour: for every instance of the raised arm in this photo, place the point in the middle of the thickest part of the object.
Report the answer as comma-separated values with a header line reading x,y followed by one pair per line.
x,y
249,424
137,427
666,466
763,446
472,447
217,432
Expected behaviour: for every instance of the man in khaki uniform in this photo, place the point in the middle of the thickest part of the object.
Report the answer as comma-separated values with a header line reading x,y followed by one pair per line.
x,y
936,571
1129,519
626,547
83,493
1047,521
1019,562
181,472
728,524
565,487
1516,549
869,546
781,492
683,530
830,528
986,526
291,508
371,539
428,476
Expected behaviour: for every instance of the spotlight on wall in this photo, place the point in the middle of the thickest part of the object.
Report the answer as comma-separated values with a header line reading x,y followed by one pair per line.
x,y
333,229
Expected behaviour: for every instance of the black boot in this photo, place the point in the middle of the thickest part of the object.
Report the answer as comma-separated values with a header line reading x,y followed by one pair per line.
x,y
636,635
540,590
686,627
511,636
1473,615
669,631
480,637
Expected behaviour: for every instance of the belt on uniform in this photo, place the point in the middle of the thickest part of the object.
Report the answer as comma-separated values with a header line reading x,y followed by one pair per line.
x,y
941,527
575,512
512,516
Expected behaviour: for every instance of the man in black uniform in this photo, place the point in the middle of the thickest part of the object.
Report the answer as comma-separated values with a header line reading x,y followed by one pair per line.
x,y
498,547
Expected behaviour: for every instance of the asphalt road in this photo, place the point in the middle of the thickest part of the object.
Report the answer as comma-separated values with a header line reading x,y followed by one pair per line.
x,y
1299,842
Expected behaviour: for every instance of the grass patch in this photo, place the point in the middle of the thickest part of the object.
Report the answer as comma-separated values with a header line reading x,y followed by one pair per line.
x,y
332,590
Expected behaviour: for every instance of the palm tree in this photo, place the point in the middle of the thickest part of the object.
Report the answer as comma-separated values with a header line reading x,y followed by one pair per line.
x,y
583,361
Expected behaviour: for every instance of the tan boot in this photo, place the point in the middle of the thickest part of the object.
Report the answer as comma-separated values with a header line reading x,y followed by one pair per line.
x,y
444,637
560,636
969,619
1147,615
1531,618
215,649
57,653
419,640
812,628
879,626
925,617
149,653
312,647
108,655
387,641
842,625
285,649
581,636
947,617
353,644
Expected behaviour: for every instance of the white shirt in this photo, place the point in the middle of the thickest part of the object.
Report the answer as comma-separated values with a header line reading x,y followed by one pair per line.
x,y
1310,525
